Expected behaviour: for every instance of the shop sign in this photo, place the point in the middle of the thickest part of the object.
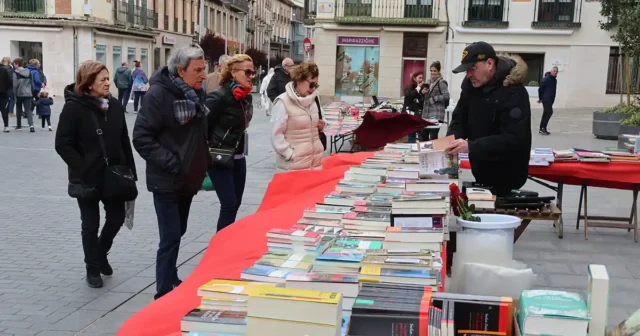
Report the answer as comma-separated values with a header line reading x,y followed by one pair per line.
x,y
325,7
359,40
168,39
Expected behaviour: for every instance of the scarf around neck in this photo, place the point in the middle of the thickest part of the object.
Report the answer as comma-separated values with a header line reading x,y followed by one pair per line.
x,y
239,91
192,96
302,101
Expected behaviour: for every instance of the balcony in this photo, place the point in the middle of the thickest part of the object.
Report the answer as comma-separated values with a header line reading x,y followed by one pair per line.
x,y
251,25
127,14
557,14
374,12
22,8
486,13
237,5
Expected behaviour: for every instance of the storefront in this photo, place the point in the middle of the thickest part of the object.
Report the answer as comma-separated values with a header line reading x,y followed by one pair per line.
x,y
357,66
163,46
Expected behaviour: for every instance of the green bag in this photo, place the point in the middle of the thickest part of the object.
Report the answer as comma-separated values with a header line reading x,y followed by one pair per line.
x,y
207,184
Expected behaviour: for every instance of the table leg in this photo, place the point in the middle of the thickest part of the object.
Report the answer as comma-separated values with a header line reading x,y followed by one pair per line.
x,y
559,196
634,210
520,229
586,220
580,204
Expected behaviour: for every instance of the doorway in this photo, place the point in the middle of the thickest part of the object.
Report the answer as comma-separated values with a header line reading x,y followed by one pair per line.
x,y
30,50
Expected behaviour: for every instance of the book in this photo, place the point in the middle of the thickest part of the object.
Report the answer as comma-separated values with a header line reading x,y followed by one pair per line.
x,y
414,235
598,298
293,235
396,262
223,304
552,313
274,327
339,283
228,289
425,277
214,321
262,273
297,305
285,265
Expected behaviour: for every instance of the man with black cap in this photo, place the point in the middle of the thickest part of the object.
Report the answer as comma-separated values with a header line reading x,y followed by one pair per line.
x,y
492,119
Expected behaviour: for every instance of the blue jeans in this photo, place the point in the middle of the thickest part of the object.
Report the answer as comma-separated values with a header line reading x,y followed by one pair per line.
x,y
229,184
173,212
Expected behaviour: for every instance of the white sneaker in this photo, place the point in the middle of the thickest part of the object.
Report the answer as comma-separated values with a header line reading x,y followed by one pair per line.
x,y
50,129
6,130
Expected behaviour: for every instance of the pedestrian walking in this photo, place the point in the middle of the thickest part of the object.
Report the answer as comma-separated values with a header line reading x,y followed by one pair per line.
x,y
8,65
280,79
296,122
231,109
23,91
43,108
170,135
92,139
436,100
265,102
211,83
6,85
547,96
414,98
37,84
139,87
123,82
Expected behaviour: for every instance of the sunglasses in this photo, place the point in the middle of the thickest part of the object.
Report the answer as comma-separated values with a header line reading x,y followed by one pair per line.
x,y
248,72
314,85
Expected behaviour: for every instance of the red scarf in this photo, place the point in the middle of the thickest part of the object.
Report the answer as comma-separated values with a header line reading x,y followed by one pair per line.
x,y
240,92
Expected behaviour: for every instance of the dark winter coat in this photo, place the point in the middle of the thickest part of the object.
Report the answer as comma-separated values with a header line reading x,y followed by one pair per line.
x,y
278,82
228,116
122,78
177,155
43,106
77,142
6,80
413,99
547,89
496,121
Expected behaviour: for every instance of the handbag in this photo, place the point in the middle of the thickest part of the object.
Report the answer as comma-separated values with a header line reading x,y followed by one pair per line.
x,y
119,181
323,137
222,157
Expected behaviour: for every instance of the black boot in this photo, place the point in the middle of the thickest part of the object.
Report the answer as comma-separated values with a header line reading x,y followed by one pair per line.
x,y
94,280
105,268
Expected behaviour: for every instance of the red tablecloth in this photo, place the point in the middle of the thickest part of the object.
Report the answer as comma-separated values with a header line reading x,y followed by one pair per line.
x,y
240,245
614,175
380,128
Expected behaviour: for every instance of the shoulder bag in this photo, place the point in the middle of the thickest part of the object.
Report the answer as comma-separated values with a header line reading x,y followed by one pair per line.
x,y
223,157
323,137
119,181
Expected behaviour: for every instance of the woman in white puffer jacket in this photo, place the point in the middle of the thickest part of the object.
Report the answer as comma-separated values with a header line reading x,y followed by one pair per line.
x,y
296,122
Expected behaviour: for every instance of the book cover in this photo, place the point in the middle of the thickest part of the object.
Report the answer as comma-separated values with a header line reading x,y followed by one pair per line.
x,y
379,271
216,316
318,277
280,293
552,303
230,286
409,262
266,271
356,244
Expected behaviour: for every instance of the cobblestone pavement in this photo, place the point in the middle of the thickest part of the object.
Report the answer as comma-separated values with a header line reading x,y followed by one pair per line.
x,y
42,288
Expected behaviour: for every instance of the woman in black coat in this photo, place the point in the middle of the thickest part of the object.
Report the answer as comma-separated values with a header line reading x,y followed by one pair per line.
x,y
231,109
88,102
414,97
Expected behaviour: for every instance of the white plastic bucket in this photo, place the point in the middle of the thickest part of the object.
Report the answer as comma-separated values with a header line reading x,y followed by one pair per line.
x,y
492,236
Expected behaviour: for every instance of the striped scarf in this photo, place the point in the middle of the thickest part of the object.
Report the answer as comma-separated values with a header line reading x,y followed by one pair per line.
x,y
187,109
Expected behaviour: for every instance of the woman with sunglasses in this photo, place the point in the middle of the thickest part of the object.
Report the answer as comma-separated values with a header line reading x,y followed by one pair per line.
x,y
231,109
296,122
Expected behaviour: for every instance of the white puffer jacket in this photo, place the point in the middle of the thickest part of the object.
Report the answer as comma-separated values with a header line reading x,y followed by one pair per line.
x,y
294,132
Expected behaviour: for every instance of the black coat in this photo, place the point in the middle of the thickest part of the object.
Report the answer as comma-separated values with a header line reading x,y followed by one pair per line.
x,y
496,121
413,100
278,82
6,79
547,89
77,142
228,116
177,155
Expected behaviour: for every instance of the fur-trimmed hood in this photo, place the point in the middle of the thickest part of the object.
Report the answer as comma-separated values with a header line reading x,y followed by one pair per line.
x,y
513,69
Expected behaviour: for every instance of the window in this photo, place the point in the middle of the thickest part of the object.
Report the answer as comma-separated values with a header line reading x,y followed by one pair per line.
x,y
156,59
556,10
616,75
117,58
144,60
101,54
206,17
131,56
535,62
485,10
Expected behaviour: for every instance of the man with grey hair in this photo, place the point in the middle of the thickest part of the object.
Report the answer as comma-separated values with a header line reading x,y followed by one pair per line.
x,y
547,96
212,79
280,79
170,134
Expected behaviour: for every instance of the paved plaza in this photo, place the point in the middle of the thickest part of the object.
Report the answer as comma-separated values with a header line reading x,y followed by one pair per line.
x,y
42,287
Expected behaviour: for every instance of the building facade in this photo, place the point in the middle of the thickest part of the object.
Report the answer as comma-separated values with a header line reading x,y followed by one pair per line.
x,y
282,13
228,19
545,33
177,26
297,32
370,48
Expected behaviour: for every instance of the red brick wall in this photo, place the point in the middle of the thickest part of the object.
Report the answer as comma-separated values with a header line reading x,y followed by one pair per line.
x,y
63,7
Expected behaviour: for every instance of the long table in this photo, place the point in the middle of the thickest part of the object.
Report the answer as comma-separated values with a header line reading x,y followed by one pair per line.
x,y
241,244
612,175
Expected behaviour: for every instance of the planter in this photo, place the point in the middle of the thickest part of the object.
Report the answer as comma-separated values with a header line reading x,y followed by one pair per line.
x,y
607,125
624,129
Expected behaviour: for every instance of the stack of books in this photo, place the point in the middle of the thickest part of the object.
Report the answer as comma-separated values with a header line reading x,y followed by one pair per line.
x,y
584,156
424,210
481,198
547,312
347,285
541,157
622,156
295,240
564,155
275,311
414,267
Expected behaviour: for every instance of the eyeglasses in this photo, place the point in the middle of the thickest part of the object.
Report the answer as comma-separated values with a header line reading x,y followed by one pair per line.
x,y
248,72
314,85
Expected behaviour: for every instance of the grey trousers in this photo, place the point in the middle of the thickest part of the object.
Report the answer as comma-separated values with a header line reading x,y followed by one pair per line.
x,y
24,104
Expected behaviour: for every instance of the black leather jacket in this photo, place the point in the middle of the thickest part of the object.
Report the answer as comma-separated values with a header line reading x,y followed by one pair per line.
x,y
228,119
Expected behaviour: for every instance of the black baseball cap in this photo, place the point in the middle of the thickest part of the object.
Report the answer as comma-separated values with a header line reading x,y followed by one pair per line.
x,y
474,53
